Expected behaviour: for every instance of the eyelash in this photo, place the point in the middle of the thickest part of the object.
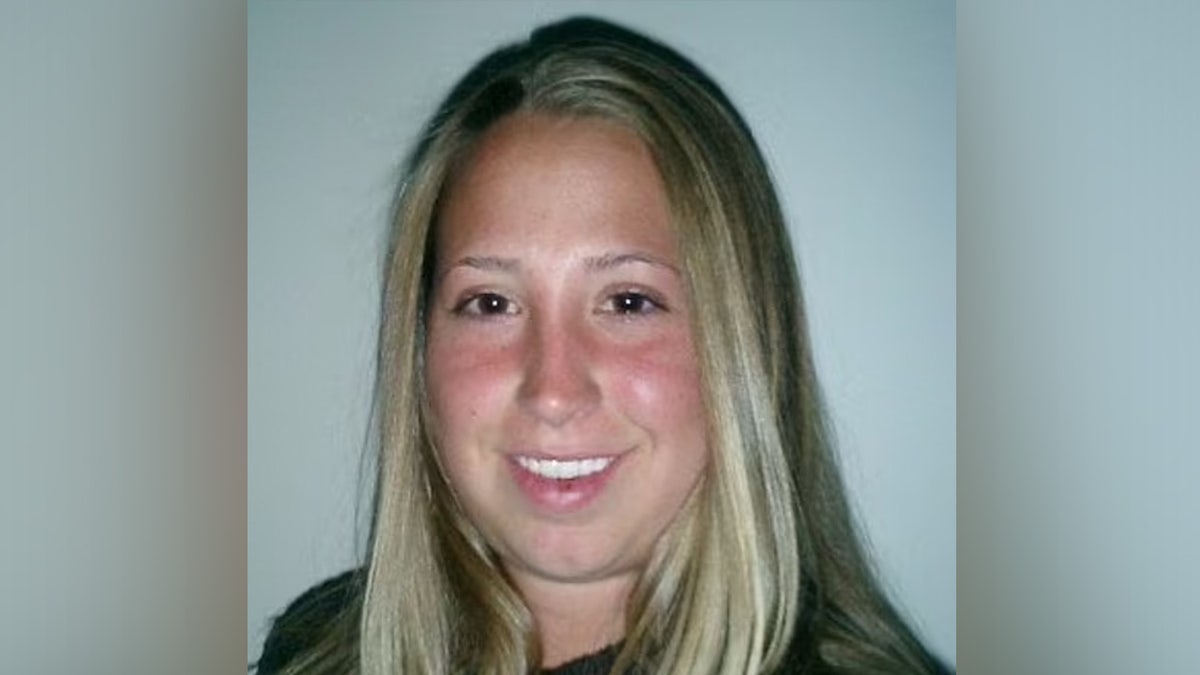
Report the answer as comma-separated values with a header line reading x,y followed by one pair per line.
x,y
647,303
472,306
624,303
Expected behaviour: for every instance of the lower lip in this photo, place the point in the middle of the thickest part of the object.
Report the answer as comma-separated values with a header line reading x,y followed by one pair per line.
x,y
562,495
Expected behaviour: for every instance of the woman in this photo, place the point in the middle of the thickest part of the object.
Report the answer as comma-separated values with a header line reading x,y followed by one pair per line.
x,y
602,445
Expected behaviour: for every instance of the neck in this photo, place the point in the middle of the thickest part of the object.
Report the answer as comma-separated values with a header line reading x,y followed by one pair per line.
x,y
576,619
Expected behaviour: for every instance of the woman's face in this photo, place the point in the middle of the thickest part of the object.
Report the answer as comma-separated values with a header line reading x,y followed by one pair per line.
x,y
562,378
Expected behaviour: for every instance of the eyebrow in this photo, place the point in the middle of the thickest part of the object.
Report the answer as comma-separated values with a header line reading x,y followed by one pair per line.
x,y
487,263
606,261
610,260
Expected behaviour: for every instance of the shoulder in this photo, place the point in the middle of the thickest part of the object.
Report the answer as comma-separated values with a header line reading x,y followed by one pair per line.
x,y
324,613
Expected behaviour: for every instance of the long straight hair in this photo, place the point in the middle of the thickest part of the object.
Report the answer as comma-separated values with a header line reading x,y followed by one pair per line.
x,y
763,569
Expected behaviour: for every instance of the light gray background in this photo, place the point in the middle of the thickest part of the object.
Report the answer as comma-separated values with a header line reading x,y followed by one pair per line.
x,y
854,105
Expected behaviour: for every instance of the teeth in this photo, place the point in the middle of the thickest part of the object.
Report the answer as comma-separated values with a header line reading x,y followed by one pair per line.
x,y
564,469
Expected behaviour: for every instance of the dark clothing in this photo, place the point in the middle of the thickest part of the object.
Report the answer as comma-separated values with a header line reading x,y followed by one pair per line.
x,y
593,664
309,617
306,619
297,629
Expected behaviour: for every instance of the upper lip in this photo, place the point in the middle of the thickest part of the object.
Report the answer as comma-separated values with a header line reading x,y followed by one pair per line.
x,y
567,453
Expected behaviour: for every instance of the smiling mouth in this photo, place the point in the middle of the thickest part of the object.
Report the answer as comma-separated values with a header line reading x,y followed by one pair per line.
x,y
564,469
561,486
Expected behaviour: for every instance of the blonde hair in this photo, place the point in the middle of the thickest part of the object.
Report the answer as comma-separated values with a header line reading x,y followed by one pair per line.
x,y
763,567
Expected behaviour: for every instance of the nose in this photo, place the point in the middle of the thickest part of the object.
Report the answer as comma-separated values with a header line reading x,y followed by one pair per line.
x,y
558,384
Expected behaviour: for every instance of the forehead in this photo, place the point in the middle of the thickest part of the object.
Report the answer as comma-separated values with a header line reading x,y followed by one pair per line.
x,y
554,142
536,178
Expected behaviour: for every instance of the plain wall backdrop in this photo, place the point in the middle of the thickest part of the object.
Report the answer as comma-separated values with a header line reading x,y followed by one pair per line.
x,y
854,106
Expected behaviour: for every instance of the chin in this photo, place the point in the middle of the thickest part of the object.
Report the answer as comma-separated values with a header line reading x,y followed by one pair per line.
x,y
570,562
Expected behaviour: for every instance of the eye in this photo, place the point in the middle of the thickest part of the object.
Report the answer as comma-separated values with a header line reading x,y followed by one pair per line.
x,y
485,305
632,303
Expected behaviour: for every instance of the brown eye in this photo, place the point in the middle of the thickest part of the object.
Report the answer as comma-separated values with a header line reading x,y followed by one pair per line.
x,y
490,303
632,303
486,304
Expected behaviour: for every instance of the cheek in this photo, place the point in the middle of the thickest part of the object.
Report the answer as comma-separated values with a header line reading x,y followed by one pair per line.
x,y
464,381
660,389
463,384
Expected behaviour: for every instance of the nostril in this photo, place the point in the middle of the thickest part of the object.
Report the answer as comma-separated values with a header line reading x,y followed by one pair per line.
x,y
558,390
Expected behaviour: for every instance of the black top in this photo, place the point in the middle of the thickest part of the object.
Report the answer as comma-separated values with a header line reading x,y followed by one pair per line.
x,y
593,664
299,627
309,618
